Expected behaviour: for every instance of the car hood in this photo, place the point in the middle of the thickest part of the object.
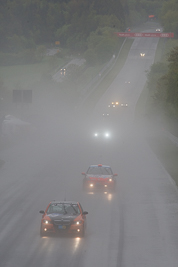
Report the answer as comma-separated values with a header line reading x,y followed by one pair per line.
x,y
98,177
56,216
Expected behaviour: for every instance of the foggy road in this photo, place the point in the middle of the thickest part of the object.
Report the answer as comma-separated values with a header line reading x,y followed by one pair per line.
x,y
134,227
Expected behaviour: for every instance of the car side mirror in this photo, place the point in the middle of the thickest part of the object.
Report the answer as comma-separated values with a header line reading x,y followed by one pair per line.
x,y
85,213
41,211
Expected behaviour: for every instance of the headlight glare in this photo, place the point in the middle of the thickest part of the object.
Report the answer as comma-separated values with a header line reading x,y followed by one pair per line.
x,y
47,222
78,222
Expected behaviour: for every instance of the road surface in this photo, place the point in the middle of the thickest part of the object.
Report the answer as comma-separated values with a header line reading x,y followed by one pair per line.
x,y
135,227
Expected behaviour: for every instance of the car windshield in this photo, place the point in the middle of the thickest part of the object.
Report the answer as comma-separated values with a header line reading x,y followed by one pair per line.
x,y
63,208
99,170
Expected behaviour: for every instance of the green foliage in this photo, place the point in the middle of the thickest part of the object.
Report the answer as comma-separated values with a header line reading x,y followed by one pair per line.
x,y
154,82
169,16
28,22
163,81
103,44
172,77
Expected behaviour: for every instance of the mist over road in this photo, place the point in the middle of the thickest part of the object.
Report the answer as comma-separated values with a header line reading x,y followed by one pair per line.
x,y
134,227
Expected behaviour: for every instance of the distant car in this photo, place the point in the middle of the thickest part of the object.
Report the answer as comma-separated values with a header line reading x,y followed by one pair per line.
x,y
63,71
102,134
99,177
158,30
105,115
124,105
142,54
113,104
63,217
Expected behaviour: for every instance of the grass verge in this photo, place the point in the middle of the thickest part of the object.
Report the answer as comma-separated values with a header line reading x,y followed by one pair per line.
x,y
163,148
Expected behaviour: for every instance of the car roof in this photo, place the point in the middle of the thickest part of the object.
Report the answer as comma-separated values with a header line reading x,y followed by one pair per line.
x,y
100,165
64,202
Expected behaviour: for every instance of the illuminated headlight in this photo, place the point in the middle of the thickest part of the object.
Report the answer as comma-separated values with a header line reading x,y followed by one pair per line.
x,y
107,135
47,222
91,185
96,134
105,185
110,179
78,222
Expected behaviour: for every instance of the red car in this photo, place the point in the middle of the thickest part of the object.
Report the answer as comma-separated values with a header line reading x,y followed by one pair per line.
x,y
65,217
99,177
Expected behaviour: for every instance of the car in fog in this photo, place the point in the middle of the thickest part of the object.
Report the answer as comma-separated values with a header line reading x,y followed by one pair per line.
x,y
63,217
102,134
105,114
124,104
63,71
158,30
113,104
142,54
99,178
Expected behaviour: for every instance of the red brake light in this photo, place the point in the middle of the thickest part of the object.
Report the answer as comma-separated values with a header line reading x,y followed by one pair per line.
x,y
99,165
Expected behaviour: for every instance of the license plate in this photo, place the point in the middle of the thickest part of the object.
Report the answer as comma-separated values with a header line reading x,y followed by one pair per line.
x,y
62,227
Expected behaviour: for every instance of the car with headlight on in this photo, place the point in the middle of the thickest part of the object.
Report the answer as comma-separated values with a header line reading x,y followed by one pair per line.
x,y
142,54
99,178
63,217
105,114
158,30
102,134
124,104
113,104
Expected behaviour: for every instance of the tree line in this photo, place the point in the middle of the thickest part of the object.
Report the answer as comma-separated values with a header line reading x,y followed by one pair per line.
x,y
79,25
27,27
163,75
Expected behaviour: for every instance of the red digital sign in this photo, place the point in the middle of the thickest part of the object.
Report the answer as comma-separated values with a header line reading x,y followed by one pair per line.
x,y
145,34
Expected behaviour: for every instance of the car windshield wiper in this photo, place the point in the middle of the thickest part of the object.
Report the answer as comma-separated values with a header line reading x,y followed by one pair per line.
x,y
65,212
74,209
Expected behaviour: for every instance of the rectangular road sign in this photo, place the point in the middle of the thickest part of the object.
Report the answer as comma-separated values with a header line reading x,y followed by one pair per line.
x,y
145,34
